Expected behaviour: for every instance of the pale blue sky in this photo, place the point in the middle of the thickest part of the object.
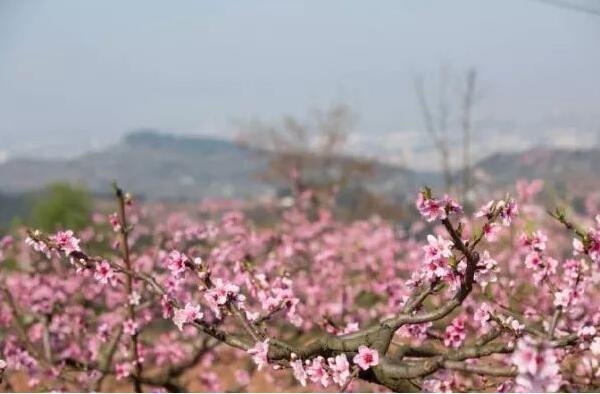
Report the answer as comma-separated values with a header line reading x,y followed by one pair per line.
x,y
78,74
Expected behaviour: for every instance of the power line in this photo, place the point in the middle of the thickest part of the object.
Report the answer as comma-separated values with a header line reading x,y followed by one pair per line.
x,y
570,6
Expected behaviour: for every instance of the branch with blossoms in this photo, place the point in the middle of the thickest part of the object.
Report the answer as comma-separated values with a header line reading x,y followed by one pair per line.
x,y
442,335
53,360
121,226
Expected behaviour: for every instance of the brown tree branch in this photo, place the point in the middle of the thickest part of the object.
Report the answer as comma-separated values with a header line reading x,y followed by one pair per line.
x,y
124,233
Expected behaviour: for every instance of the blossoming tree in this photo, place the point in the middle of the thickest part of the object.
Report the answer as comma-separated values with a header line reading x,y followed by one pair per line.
x,y
502,300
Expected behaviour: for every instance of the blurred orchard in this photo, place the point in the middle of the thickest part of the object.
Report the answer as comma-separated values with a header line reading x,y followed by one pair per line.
x,y
492,291
149,298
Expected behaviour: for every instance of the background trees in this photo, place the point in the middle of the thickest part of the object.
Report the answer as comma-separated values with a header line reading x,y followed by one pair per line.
x,y
147,298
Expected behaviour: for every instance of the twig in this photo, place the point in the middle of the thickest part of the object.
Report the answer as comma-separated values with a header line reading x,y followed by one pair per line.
x,y
124,232
554,322
355,371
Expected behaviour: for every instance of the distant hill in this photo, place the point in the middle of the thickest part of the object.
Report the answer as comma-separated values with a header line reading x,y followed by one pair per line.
x,y
150,164
575,170
165,167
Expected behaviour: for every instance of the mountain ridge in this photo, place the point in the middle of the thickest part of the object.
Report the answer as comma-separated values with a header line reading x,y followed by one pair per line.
x,y
162,166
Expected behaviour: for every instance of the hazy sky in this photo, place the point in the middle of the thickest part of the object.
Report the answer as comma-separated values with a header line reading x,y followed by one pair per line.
x,y
76,75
